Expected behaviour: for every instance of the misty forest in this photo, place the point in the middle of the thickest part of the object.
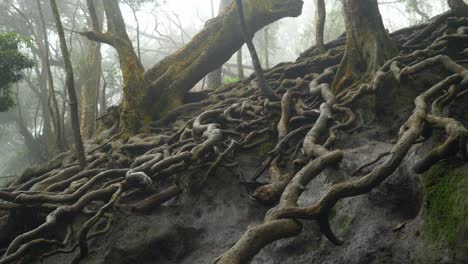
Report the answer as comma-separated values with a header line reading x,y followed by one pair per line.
x,y
233,131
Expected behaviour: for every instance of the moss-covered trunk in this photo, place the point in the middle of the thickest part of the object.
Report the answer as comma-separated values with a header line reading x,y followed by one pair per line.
x,y
133,112
368,45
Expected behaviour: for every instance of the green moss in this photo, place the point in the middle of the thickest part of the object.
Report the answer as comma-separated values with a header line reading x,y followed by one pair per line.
x,y
339,219
445,189
267,145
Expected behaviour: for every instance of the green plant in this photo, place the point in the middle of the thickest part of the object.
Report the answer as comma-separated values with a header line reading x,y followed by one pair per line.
x,y
12,62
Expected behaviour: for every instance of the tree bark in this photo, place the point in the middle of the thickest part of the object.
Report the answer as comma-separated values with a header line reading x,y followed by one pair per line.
x,y
90,73
70,83
103,99
240,65
368,45
320,25
267,47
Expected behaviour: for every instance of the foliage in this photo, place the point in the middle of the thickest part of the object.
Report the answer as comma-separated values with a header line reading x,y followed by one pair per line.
x,y
12,62
228,79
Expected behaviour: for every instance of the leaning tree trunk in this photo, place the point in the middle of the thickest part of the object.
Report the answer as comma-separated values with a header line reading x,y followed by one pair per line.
x,y
70,83
368,45
215,44
90,73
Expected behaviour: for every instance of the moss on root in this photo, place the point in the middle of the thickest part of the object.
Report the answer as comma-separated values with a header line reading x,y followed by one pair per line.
x,y
340,220
445,206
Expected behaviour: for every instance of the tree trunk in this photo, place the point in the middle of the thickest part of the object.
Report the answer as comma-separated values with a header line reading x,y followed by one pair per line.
x,y
368,45
458,6
103,98
215,44
320,25
133,111
47,128
91,75
240,65
70,83
214,78
162,88
260,77
267,47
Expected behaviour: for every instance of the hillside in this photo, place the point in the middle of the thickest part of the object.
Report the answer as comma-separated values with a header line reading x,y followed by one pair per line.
x,y
229,172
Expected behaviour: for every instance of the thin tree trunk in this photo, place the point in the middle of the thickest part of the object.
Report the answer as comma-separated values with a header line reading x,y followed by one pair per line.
x,y
63,112
267,47
260,77
240,65
214,78
71,88
90,72
47,127
103,94
320,25
55,111
137,31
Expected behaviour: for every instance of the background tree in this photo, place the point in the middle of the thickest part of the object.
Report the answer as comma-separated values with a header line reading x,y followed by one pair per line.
x,y
12,62
214,78
90,75
320,24
70,83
